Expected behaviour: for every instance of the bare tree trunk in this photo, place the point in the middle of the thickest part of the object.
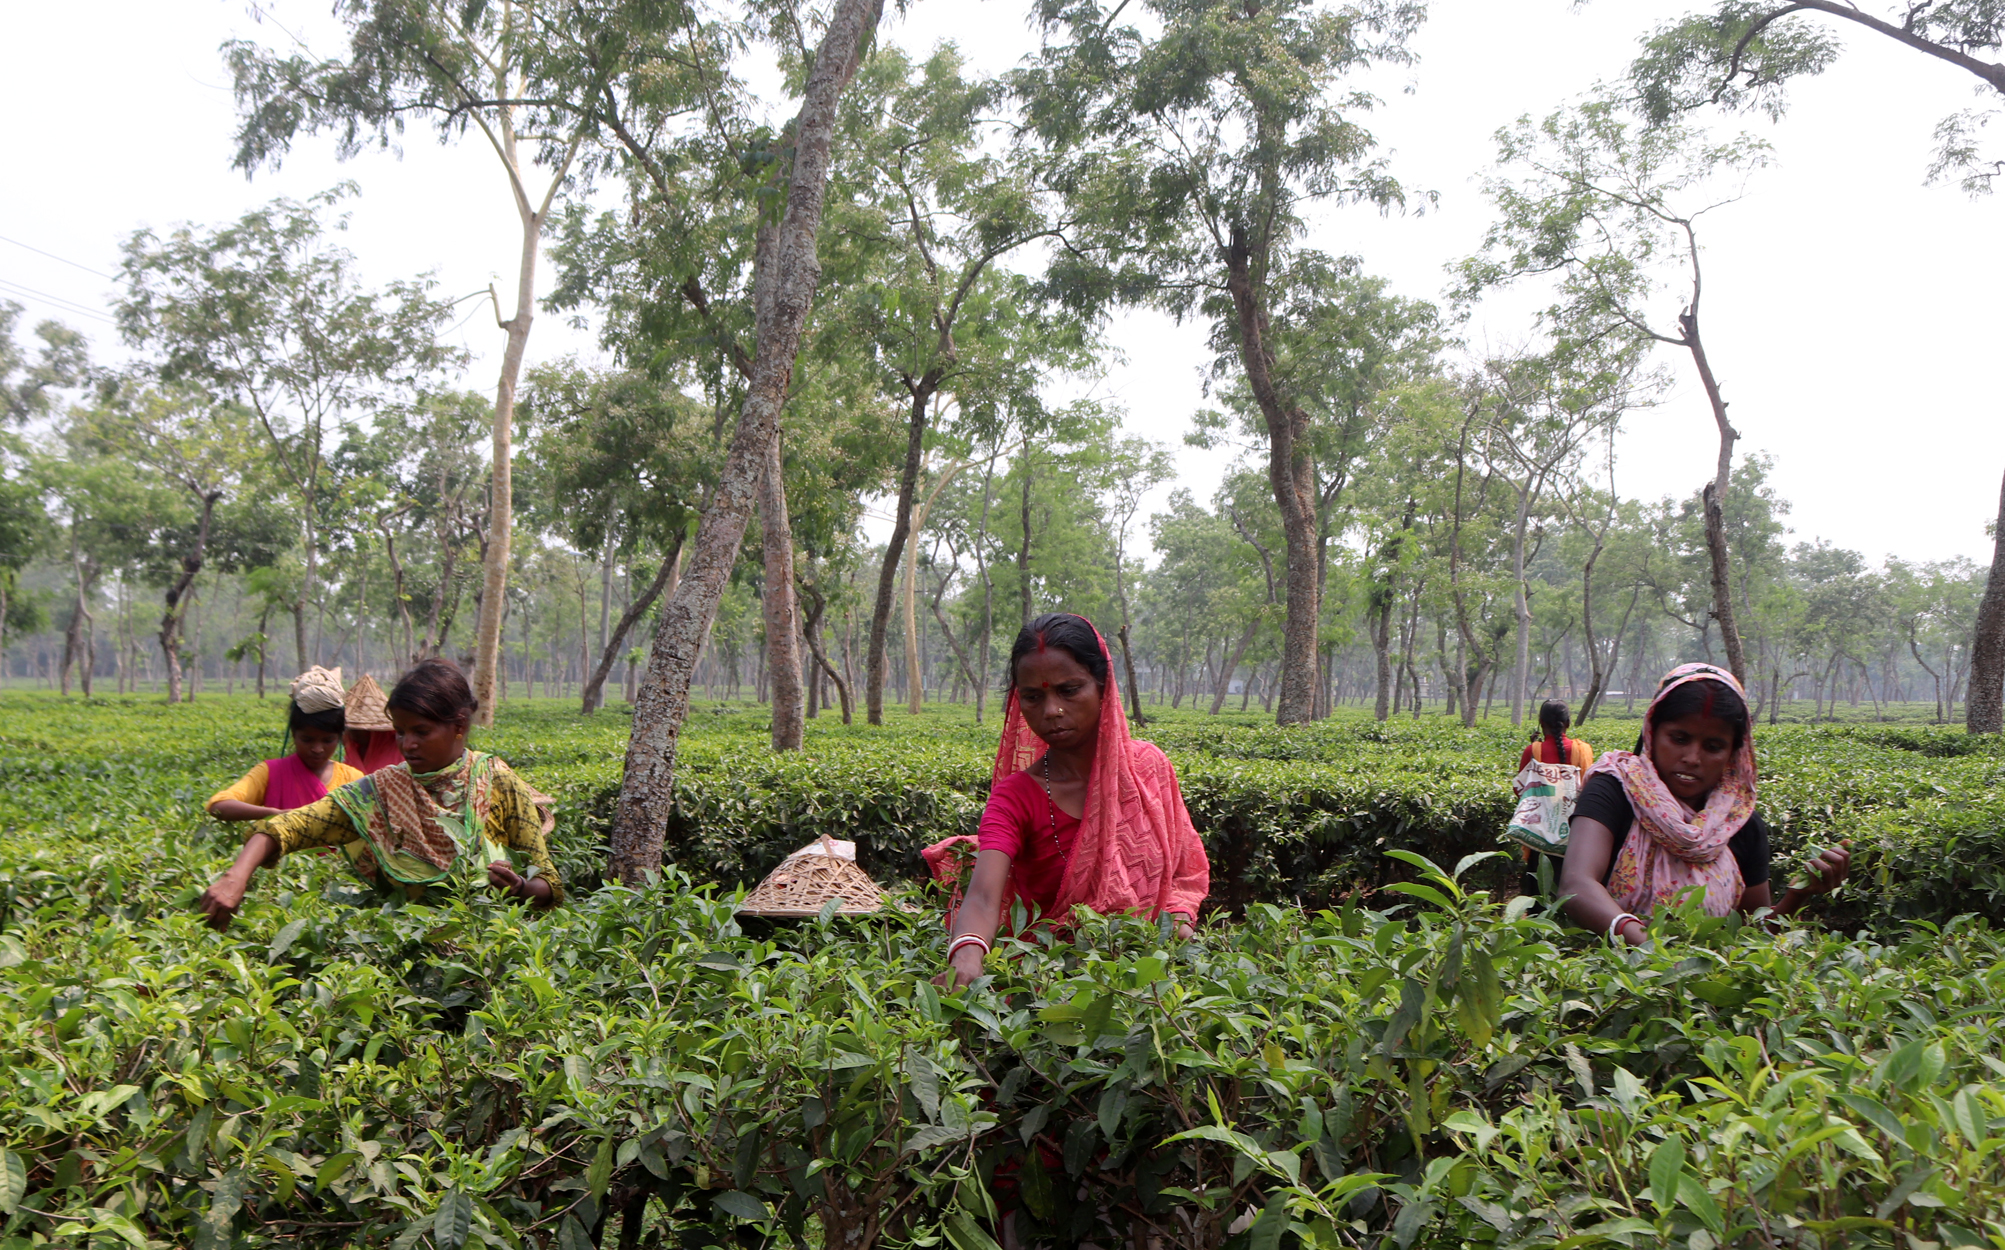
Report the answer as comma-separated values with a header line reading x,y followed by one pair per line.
x,y
788,272
1023,551
1224,682
501,494
816,606
1984,709
1714,496
178,599
664,578
1523,607
1291,471
915,684
783,649
894,550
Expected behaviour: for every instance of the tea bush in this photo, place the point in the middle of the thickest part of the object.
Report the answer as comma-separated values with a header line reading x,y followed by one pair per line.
x,y
1421,1066
640,1069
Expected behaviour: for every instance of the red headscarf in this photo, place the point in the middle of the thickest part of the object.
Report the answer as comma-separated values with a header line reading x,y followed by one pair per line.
x,y
1137,850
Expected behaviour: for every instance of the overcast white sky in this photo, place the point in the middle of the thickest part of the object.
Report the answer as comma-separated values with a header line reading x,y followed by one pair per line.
x,y
1852,312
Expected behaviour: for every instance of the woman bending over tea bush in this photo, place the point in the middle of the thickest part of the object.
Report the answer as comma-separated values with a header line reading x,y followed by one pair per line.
x,y
1096,820
435,821
1679,812
315,720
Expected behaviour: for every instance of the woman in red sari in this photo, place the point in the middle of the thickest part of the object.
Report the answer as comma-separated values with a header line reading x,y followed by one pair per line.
x,y
1093,820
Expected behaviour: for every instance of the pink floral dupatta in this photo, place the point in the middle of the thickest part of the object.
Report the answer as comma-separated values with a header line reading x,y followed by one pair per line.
x,y
1137,850
1671,848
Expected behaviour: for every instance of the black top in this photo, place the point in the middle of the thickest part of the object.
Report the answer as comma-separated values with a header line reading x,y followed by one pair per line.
x,y
1603,799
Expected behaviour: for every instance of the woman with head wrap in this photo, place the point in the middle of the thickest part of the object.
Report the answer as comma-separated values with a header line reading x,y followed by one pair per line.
x,y
370,739
446,819
315,720
1093,820
1678,813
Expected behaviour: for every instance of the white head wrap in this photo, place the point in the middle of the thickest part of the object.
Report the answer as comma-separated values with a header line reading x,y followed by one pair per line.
x,y
318,689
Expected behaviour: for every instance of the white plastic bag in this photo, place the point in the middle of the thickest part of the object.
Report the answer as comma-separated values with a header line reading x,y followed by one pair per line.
x,y
1546,793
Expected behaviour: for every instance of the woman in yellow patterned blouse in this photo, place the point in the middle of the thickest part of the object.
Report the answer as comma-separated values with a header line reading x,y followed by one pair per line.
x,y
434,821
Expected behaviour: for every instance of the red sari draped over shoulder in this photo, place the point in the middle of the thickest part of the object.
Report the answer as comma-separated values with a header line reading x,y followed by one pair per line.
x,y
1136,851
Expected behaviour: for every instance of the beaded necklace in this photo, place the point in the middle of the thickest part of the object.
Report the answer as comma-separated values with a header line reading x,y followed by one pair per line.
x,y
1064,856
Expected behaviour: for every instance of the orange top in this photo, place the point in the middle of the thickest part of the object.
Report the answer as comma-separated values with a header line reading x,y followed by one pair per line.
x,y
1576,752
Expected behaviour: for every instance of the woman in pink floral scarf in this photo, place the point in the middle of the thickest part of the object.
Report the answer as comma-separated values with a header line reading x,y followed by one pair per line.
x,y
1678,813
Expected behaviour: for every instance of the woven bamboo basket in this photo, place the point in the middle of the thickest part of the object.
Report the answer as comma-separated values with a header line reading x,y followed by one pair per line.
x,y
807,880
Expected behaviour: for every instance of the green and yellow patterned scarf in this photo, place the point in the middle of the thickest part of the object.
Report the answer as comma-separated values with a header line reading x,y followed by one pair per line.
x,y
418,829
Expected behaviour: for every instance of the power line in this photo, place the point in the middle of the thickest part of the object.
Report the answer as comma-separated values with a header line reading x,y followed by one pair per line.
x,y
52,256
57,300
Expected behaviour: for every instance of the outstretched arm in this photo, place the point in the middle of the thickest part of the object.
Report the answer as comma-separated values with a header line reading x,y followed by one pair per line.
x,y
1826,873
1589,846
220,901
981,909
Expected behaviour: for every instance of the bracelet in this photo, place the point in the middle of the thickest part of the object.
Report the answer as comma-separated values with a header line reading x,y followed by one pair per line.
x,y
969,939
1616,923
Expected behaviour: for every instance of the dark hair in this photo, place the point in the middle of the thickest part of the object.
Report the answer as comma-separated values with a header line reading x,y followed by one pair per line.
x,y
1705,697
333,720
1071,634
1554,717
434,689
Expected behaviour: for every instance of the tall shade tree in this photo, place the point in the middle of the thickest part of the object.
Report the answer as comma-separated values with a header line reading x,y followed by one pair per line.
x,y
947,205
29,386
625,462
1138,466
787,274
1610,208
195,445
529,76
1743,54
268,313
1196,140
1343,344
1985,713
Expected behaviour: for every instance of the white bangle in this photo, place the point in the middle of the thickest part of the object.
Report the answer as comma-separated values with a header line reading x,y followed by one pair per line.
x,y
1617,922
969,939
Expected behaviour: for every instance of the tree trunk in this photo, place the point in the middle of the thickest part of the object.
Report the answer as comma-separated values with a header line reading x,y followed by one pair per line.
x,y
501,494
1522,674
783,649
894,550
1023,551
1134,689
915,684
178,598
664,578
1224,682
1291,471
813,617
1984,708
788,272
1714,497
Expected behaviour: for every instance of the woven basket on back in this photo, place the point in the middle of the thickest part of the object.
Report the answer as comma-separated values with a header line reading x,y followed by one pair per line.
x,y
367,706
808,879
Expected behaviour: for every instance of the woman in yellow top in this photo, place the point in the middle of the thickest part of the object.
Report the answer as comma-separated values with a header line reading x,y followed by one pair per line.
x,y
435,821
315,719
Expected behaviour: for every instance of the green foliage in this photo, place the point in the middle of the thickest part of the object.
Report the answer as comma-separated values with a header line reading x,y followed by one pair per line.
x,y
1437,1069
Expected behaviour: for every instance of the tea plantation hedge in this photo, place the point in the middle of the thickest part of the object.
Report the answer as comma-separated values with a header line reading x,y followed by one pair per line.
x,y
1422,1065
1306,815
